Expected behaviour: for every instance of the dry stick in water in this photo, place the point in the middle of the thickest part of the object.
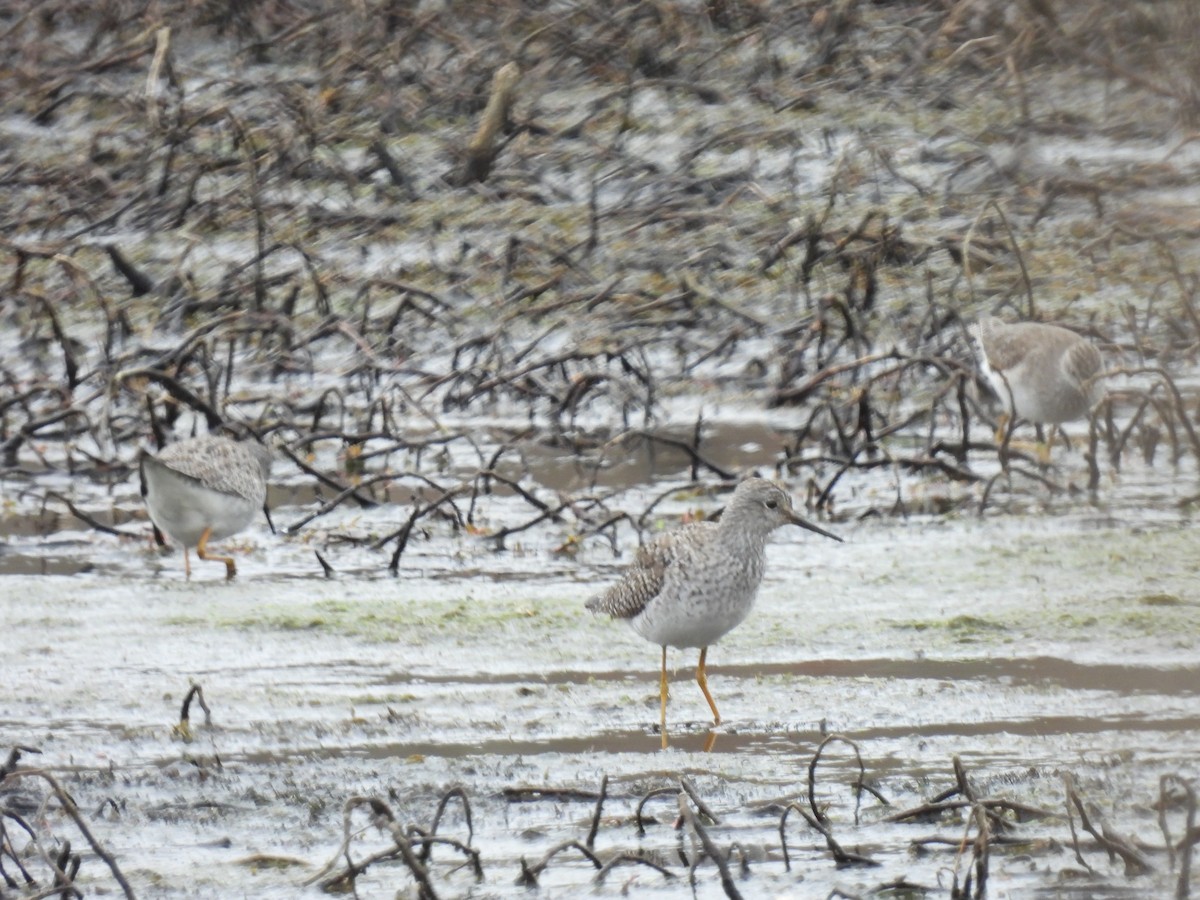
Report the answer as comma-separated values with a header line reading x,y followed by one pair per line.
x,y
454,793
942,804
68,865
402,535
1167,785
418,835
69,807
1091,455
859,786
385,820
701,807
1031,312
1178,402
591,838
70,365
195,692
620,858
841,856
64,868
710,848
980,854
657,792
960,777
499,537
691,448
7,849
482,150
177,391
529,874
1135,862
85,518
325,566
353,491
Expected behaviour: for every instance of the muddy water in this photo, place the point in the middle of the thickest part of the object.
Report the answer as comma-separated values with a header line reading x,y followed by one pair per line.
x,y
1062,641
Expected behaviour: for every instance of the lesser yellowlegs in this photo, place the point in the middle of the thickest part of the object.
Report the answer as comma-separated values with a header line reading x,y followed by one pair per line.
x,y
691,586
205,489
1045,374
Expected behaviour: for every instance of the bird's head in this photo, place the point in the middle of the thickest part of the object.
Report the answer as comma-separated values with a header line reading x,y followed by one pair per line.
x,y
764,505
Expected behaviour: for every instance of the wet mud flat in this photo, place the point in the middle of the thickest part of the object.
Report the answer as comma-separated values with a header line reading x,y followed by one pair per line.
x,y
1041,671
510,288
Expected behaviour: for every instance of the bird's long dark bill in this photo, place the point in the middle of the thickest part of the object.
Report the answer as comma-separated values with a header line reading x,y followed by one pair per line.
x,y
804,523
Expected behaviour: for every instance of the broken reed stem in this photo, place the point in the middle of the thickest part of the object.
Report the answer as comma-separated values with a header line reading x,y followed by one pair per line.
x,y
701,806
1178,403
1174,785
841,856
591,838
812,775
481,151
1135,862
710,849
620,858
529,875
383,819
195,692
455,793
639,818
69,807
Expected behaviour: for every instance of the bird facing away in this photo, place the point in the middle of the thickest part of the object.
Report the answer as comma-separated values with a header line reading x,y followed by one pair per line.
x,y
691,586
1045,374
205,489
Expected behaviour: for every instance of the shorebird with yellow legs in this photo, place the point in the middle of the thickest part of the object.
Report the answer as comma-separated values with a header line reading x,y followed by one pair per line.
x,y
691,586
205,489
1045,374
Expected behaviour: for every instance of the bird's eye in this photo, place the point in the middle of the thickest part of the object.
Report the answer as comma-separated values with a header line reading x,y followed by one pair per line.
x,y
772,503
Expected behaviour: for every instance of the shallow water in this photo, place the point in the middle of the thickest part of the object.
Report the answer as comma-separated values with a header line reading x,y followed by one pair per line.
x,y
1036,634
1029,646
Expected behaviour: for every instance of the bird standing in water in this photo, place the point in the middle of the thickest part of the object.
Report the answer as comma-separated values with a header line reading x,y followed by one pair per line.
x,y
205,489
1045,374
691,586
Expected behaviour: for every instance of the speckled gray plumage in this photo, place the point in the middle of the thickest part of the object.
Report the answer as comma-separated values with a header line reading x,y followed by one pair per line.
x,y
205,488
1044,373
689,587
221,464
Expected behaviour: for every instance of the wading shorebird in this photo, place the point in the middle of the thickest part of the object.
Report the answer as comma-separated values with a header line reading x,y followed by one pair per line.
x,y
1044,374
691,586
205,489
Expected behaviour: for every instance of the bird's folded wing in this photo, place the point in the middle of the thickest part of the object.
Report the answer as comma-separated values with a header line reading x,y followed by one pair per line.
x,y
641,583
149,463
218,465
1083,361
1004,349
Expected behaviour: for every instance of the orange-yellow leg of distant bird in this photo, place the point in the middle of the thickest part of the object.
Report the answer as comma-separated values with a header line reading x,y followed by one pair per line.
x,y
1044,447
662,689
202,552
702,680
1004,440
1001,428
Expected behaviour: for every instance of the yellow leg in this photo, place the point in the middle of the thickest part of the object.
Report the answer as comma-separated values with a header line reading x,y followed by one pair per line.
x,y
1005,426
1045,448
662,689
1002,428
702,680
202,552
